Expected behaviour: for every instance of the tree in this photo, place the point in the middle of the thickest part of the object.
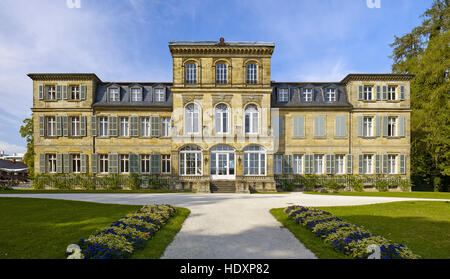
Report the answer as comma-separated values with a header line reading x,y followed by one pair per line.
x,y
425,52
26,131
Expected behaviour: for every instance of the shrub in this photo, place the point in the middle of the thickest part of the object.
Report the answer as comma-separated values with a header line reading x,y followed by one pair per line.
x,y
404,184
356,183
134,182
381,183
310,181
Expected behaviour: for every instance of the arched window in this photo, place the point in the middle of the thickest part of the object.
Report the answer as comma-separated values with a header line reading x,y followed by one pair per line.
x,y
252,77
221,73
254,160
251,119
191,116
191,160
191,73
221,119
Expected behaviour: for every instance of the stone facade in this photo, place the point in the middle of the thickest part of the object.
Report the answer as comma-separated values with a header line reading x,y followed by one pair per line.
x,y
81,127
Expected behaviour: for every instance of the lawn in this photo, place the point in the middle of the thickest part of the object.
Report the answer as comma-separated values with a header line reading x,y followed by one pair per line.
x,y
33,191
421,195
423,226
43,228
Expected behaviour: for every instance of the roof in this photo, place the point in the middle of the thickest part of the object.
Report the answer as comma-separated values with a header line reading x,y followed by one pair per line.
x,y
215,43
318,94
8,165
63,76
377,77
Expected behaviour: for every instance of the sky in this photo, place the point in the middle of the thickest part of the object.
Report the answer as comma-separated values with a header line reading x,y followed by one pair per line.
x,y
127,40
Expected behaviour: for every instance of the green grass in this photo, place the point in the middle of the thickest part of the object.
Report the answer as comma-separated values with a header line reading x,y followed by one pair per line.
x,y
424,195
423,226
33,191
43,228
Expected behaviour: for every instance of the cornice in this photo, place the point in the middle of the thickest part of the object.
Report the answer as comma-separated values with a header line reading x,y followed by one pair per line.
x,y
377,77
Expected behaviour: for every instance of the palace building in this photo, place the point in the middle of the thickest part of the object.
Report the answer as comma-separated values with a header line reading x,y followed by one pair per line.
x,y
222,123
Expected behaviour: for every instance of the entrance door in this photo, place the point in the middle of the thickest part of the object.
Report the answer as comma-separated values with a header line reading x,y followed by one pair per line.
x,y
222,164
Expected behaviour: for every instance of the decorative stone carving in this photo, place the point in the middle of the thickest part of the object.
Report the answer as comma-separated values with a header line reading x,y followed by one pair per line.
x,y
252,99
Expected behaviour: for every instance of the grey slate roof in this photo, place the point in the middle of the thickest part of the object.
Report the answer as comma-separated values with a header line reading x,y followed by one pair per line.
x,y
9,165
318,94
148,100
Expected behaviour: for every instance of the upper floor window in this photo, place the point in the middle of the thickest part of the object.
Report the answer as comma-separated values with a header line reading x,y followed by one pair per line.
x,y
159,95
252,77
136,94
307,95
368,126
330,95
103,126
192,119
114,95
51,126
51,92
392,126
221,73
165,129
145,126
221,119
191,73
283,94
391,93
124,127
75,92
251,119
75,126
368,93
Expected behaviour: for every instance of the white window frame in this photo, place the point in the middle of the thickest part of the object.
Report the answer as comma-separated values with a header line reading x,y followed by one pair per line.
x,y
251,73
145,127
392,126
166,164
75,126
283,95
114,94
368,93
368,163
221,112
319,164
277,164
221,73
192,119
136,94
251,116
103,163
76,163
198,162
145,163
160,95
392,164
260,157
191,73
391,93
51,163
340,163
103,126
51,92
51,126
298,164
165,126
75,92
330,95
124,127
307,94
124,163
368,126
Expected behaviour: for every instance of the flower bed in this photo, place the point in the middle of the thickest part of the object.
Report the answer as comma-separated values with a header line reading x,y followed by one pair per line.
x,y
345,237
121,238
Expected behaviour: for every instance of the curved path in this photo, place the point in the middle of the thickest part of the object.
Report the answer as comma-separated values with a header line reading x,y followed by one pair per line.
x,y
227,226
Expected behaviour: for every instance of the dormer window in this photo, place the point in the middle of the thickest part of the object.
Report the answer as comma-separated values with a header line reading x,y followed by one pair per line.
x,y
221,73
191,73
283,95
330,95
114,95
159,95
307,95
136,94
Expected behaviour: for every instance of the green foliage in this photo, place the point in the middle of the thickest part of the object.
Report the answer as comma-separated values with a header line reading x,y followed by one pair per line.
x,y
356,183
310,181
382,184
134,182
26,131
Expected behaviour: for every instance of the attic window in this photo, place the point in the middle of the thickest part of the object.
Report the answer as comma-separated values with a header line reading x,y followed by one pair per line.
x,y
136,94
114,95
159,95
307,95
330,95
283,95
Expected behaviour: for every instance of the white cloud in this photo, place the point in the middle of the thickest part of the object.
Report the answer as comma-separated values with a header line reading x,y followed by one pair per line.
x,y
11,148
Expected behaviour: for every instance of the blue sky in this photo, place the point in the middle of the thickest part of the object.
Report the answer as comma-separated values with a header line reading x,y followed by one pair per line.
x,y
127,40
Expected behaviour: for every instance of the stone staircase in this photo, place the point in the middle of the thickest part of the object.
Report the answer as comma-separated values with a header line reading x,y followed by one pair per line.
x,y
223,186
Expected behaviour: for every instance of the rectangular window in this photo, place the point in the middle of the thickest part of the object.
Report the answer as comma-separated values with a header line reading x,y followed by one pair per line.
x,y
298,164
368,164
368,126
391,93
145,126
307,95
368,93
318,164
114,95
165,164
145,163
159,95
51,163
278,164
75,92
124,127
283,94
165,121
221,74
392,164
103,163
330,95
75,126
103,126
124,163
340,164
136,94
76,163
392,126
51,92
51,126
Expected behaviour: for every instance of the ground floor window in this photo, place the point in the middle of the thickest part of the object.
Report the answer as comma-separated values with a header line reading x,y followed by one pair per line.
x,y
165,164
191,160
340,164
76,163
254,160
367,164
124,163
51,163
392,164
103,163
277,164
298,164
318,164
145,163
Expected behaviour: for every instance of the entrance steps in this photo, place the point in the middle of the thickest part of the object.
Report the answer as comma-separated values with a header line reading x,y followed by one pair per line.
x,y
223,186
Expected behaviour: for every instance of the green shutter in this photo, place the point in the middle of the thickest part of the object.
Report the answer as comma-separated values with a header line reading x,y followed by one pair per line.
x,y
41,126
378,93
360,126
385,126
340,126
83,91
275,126
59,128
59,163
360,164
155,163
319,126
58,92
155,126
83,125
134,130
134,163
377,164
299,126
65,125
94,162
384,92
378,126
401,127
66,164
64,92
402,164
402,92
112,121
113,164
93,126
83,163
307,164
41,91
360,92
385,163
328,163
349,163
42,163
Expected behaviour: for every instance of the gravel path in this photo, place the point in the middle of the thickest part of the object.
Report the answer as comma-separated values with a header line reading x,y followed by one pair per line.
x,y
228,226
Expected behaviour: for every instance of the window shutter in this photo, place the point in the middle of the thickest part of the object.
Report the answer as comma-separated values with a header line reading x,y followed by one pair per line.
x,y
94,162
402,164
113,163
360,126
377,164
58,92
307,164
385,163
319,126
402,92
41,91
333,164
378,93
299,126
155,163
134,129
401,127
83,125
59,163
360,92
360,164
83,92
384,92
59,128
66,163
65,125
42,163
83,163
41,126
385,126
64,92
378,126
275,126
340,126
93,126
155,128
134,163
280,126
349,163
112,121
